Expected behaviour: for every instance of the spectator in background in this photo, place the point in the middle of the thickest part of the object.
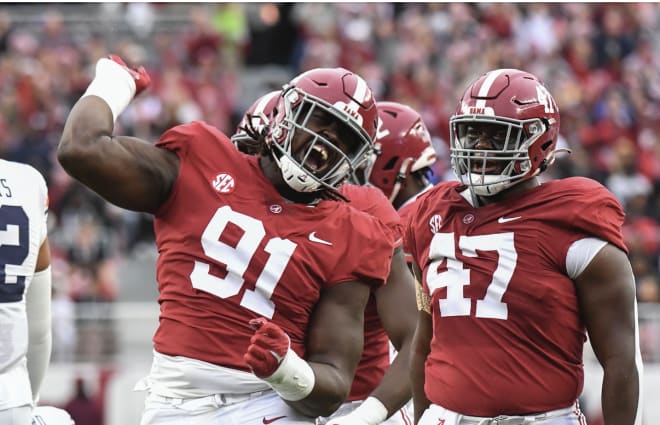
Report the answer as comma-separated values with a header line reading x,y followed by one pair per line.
x,y
624,180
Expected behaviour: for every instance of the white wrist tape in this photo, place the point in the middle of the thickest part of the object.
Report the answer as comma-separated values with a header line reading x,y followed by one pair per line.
x,y
370,412
294,378
114,84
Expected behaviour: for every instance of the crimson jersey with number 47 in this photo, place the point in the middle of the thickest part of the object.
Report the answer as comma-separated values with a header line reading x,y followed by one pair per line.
x,y
376,352
507,334
232,249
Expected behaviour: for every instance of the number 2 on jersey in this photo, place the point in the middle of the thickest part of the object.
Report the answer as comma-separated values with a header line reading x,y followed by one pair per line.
x,y
456,276
237,258
14,249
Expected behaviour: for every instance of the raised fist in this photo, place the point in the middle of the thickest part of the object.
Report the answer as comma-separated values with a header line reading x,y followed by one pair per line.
x,y
268,347
140,76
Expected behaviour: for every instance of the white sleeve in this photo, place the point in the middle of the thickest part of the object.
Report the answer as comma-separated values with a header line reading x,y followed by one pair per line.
x,y
38,300
43,199
580,254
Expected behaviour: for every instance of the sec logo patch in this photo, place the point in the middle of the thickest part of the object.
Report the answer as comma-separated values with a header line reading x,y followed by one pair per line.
x,y
223,183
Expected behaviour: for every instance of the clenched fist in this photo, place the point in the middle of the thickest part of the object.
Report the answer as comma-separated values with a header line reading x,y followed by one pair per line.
x,y
140,76
271,358
117,84
267,349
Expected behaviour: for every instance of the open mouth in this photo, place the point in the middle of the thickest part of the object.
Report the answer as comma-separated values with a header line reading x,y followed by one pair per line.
x,y
488,168
480,165
317,158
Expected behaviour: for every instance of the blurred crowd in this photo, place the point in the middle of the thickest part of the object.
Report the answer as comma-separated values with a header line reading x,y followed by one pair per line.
x,y
210,61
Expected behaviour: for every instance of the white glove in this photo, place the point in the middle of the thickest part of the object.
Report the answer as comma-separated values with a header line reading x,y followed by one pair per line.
x,y
370,412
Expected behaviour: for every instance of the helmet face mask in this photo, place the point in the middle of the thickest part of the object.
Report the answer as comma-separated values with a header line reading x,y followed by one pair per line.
x,y
504,162
504,131
255,122
321,134
364,169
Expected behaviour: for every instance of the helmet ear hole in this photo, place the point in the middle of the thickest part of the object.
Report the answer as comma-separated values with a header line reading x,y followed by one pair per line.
x,y
391,163
546,145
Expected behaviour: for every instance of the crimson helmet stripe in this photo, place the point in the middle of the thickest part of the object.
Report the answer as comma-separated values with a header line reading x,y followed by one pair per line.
x,y
263,102
485,87
361,93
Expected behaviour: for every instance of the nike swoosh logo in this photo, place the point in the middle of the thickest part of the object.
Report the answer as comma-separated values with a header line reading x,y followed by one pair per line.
x,y
502,220
313,238
271,420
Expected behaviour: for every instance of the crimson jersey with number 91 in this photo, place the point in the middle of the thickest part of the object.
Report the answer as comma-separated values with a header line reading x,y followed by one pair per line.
x,y
507,335
232,249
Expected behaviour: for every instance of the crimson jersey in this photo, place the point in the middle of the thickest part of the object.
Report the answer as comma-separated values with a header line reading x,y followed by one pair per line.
x,y
232,249
376,353
507,335
406,211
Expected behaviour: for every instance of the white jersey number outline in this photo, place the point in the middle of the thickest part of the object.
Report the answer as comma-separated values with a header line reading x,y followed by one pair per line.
x,y
443,247
14,249
237,258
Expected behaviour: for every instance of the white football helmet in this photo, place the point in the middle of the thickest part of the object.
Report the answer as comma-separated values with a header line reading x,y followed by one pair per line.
x,y
49,415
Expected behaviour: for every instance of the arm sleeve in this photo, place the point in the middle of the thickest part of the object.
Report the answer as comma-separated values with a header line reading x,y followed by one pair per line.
x,y
580,254
42,191
38,300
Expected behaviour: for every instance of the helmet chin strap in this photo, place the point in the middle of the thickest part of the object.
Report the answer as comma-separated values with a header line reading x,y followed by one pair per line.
x,y
295,176
550,159
400,178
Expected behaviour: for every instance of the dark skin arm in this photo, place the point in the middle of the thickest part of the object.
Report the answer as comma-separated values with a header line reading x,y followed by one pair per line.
x,y
398,314
126,171
421,347
606,292
334,347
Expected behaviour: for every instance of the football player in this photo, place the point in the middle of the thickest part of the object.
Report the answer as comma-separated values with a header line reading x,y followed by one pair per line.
x,y
402,168
400,171
516,273
25,290
379,390
264,271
